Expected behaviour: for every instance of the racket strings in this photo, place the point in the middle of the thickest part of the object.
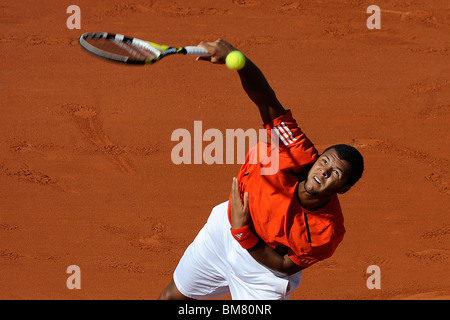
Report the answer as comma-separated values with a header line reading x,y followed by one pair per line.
x,y
121,48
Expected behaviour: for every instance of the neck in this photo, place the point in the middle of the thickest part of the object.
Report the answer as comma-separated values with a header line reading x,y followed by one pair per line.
x,y
309,201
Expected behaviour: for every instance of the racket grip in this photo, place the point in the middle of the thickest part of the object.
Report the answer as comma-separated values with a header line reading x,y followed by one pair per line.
x,y
196,51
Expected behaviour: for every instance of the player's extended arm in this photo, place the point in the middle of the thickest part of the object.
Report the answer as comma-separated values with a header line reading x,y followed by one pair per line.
x,y
252,79
260,92
261,252
271,259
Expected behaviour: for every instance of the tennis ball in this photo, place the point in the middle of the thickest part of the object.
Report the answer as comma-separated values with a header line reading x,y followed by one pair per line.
x,y
235,60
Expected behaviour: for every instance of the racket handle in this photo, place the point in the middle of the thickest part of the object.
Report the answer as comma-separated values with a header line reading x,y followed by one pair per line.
x,y
196,51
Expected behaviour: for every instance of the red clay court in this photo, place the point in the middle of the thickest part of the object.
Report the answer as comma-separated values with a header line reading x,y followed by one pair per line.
x,y
86,176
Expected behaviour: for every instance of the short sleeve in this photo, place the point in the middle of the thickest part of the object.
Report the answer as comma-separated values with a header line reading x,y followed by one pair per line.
x,y
287,130
295,148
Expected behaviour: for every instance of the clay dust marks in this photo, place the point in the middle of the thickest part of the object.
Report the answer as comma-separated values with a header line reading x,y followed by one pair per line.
x,y
437,233
421,17
149,238
29,175
91,128
162,9
440,177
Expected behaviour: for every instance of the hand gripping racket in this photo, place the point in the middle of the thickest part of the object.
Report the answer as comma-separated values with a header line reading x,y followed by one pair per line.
x,y
121,48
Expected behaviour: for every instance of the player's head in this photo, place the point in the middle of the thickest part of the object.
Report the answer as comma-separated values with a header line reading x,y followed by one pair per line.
x,y
337,169
353,157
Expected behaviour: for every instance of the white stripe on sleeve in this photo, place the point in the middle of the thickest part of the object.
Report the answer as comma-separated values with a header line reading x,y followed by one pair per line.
x,y
289,132
281,135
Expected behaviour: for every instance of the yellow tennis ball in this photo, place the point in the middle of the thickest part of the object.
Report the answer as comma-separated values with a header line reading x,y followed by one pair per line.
x,y
235,60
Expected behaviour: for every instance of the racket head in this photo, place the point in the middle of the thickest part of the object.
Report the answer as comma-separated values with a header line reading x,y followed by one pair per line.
x,y
120,48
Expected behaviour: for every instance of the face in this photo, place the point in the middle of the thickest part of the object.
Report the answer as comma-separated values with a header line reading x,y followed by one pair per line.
x,y
328,175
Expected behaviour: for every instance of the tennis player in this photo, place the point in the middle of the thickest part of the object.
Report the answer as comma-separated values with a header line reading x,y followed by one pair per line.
x,y
256,245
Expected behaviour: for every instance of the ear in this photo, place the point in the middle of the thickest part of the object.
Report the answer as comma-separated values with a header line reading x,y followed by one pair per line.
x,y
344,189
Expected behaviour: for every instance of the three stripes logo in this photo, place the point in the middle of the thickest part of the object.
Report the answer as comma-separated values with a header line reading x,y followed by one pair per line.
x,y
238,235
308,261
285,134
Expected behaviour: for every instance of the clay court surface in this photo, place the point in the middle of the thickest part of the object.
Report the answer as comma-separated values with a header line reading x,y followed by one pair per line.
x,y
86,176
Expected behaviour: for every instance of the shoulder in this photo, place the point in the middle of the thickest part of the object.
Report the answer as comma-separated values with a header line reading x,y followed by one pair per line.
x,y
287,129
294,145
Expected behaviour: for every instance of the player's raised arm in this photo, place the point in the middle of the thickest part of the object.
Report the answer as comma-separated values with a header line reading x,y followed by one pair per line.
x,y
252,79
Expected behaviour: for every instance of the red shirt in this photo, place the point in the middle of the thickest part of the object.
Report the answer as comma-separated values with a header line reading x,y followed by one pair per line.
x,y
277,215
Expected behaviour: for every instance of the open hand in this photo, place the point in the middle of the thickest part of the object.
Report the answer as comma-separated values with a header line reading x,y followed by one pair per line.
x,y
240,213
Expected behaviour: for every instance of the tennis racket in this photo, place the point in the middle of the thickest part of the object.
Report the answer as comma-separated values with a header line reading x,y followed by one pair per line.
x,y
125,49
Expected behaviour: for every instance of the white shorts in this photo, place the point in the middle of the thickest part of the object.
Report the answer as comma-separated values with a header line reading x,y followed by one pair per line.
x,y
215,264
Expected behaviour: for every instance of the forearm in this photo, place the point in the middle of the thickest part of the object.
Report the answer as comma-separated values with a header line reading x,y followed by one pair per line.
x,y
252,79
268,257
260,92
261,252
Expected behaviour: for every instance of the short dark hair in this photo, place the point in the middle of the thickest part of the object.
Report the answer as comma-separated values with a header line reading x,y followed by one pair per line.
x,y
353,157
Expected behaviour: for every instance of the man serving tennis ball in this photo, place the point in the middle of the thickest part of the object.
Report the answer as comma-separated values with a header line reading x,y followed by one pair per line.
x,y
256,245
